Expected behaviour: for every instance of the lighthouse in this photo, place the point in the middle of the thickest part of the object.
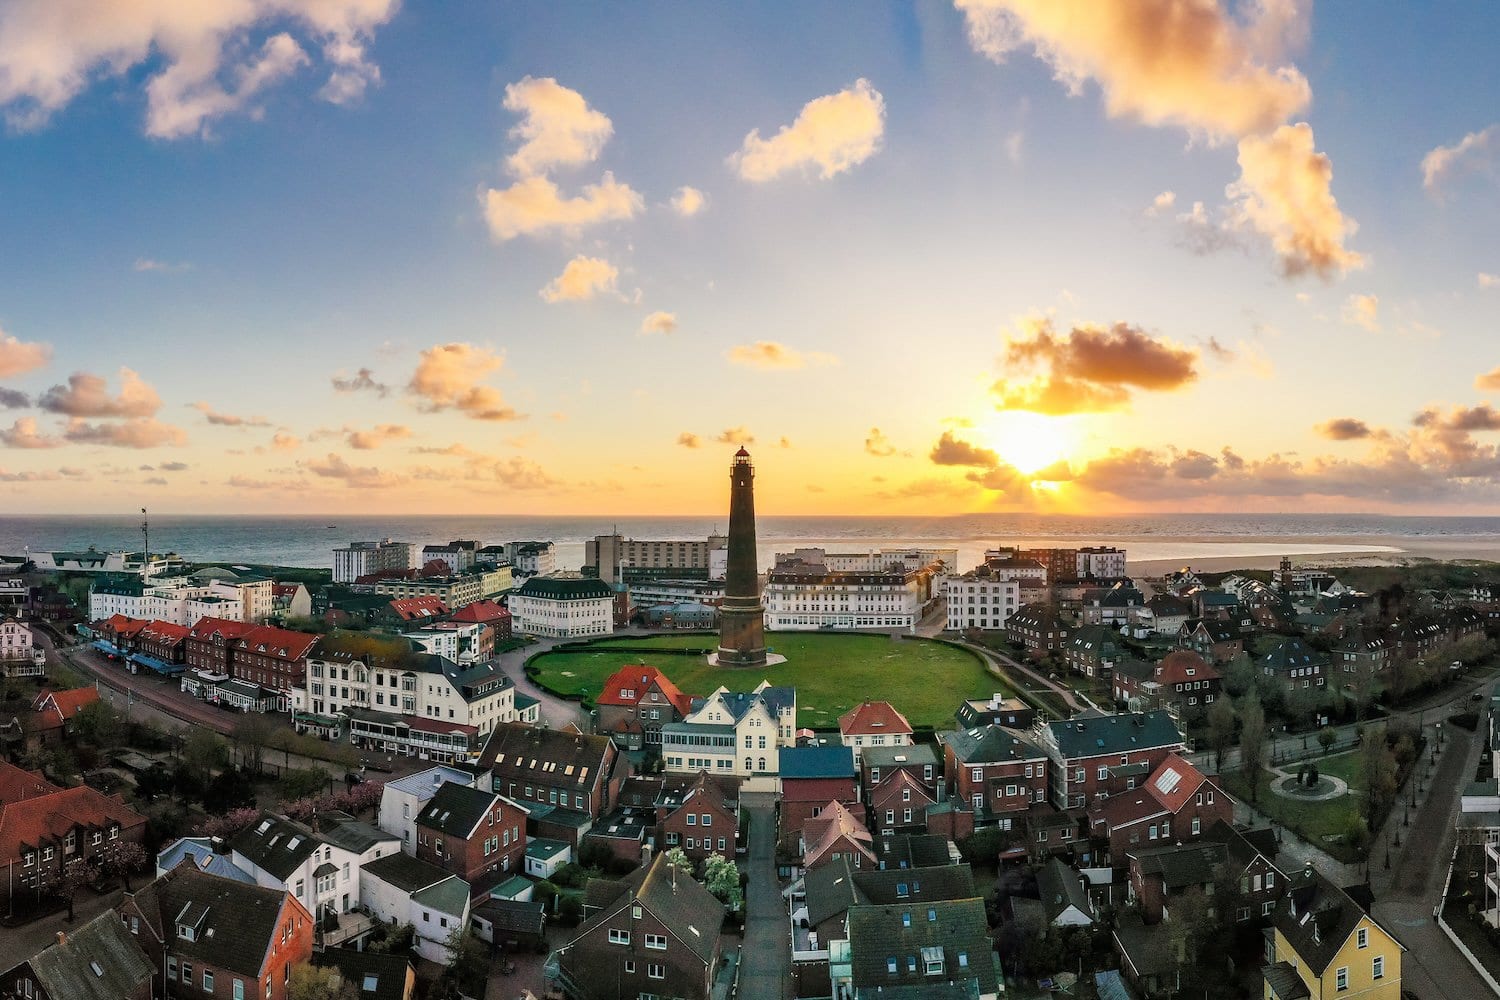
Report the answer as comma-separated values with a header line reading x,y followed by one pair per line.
x,y
742,641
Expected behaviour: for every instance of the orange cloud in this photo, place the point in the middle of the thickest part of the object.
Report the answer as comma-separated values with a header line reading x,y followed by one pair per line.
x,y
1469,151
1489,381
376,436
771,355
834,133
659,322
1344,429
23,433
17,357
582,278
689,440
138,432
447,377
949,450
1090,368
88,395
227,419
535,206
557,125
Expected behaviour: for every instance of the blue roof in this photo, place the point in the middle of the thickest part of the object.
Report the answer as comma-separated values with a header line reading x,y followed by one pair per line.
x,y
817,762
422,784
1109,986
201,850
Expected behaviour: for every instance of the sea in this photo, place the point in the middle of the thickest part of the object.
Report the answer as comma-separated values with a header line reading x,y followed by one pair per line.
x,y
309,541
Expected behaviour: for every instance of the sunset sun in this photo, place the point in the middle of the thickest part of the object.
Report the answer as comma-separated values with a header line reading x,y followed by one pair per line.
x,y
1031,441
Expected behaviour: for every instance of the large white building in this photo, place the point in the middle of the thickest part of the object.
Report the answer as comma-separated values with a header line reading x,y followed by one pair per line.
x,y
985,597
1101,563
359,559
19,657
623,560
803,593
458,641
320,867
528,558
563,606
476,584
458,556
733,732
874,561
178,602
94,561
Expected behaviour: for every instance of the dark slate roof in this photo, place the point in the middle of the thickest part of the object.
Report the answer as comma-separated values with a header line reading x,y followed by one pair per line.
x,y
677,899
455,809
913,850
357,968
565,588
405,872
515,748
1291,653
1115,733
1061,887
1316,917
834,887
342,830
1284,982
1179,867
1138,669
276,844
1242,851
990,745
1136,943
817,762
235,922
67,970
878,934
514,915
893,757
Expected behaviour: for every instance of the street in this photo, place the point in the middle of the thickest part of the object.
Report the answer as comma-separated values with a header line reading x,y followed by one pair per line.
x,y
766,959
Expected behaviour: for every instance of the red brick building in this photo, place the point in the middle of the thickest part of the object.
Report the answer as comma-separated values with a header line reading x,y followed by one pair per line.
x,y
899,805
55,712
1159,875
1183,682
1258,881
995,772
703,821
811,778
475,834
208,936
636,702
163,641
1040,628
1105,755
274,658
1176,804
210,644
836,833
554,767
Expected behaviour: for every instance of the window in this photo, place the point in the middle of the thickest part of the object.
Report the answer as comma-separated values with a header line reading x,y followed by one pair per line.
x,y
239,989
171,967
1271,884
1364,937
1103,773
890,966
187,972
208,981
656,942
1195,826
977,774
617,936
1341,978
1377,967
656,971
706,820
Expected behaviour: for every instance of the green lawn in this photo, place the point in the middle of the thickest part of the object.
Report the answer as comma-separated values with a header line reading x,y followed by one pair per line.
x,y
1312,821
832,673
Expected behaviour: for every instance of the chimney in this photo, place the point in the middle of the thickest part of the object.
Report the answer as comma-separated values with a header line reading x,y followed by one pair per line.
x,y
219,845
62,937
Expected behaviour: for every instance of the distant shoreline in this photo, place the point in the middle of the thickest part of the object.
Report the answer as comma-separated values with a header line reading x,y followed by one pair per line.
x,y
1410,551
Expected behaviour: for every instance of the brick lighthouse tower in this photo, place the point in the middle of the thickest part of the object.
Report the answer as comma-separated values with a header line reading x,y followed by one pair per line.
x,y
742,641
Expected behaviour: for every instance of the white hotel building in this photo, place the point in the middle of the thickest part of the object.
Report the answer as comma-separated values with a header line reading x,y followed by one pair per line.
x,y
804,592
985,597
739,733
563,606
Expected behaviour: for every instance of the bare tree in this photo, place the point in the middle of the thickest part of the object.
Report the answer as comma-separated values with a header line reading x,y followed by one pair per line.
x,y
1252,742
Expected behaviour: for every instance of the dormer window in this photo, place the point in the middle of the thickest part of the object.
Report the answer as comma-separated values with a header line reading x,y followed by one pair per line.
x,y
185,932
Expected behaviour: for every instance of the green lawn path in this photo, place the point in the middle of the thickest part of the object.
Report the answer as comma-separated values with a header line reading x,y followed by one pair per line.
x,y
1312,821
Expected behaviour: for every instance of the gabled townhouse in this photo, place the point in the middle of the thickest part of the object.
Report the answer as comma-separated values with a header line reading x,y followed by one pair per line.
x,y
906,950
476,834
1364,651
874,724
1158,874
1323,944
899,804
494,617
456,556
1463,623
1039,628
1415,637
319,865
994,771
1260,883
1215,640
1092,651
702,819
98,961
812,777
207,935
43,828
565,780
1168,613
19,655
290,600
403,799
1105,755
832,889
1294,664
734,732
55,712
162,647
1012,713
654,934
833,834
1176,803
1064,895
1111,607
401,889
920,762
636,702
374,975
1182,682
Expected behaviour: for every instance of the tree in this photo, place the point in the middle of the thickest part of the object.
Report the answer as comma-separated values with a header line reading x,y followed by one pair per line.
x,y
98,724
253,733
1326,738
1220,729
1378,767
228,790
469,967
309,982
1252,742
226,825
75,875
124,857
397,941
722,878
677,858
203,753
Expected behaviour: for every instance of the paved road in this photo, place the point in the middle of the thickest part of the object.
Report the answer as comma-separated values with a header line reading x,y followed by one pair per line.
x,y
1007,666
556,712
766,959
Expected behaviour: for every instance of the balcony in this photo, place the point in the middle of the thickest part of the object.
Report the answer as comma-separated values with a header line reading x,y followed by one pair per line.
x,y
347,927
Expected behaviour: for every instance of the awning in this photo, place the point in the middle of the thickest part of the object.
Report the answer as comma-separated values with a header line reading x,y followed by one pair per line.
x,y
105,646
160,666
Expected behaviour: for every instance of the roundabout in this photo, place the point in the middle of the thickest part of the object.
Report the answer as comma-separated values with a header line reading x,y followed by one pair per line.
x,y
1328,787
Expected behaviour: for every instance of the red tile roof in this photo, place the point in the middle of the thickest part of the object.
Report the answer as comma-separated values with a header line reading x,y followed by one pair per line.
x,y
46,819
159,631
57,707
1174,667
888,792
414,608
282,643
285,589
480,611
638,680
207,628
124,624
1166,791
834,825
873,718
16,784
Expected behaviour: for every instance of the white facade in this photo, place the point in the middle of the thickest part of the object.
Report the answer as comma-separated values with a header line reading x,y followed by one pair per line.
x,y
802,596
459,557
19,656
736,733
564,607
177,602
403,799
359,559
92,561
336,892
875,561
1101,563
455,640
613,555
335,684
981,602
531,558
391,904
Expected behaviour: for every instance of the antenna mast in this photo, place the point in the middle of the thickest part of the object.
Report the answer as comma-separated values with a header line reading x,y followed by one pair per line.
x,y
146,554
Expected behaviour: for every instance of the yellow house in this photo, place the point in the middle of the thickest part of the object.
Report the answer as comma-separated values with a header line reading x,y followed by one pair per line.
x,y
1323,946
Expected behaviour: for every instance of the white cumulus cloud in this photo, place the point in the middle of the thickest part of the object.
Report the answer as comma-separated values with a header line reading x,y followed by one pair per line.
x,y
834,133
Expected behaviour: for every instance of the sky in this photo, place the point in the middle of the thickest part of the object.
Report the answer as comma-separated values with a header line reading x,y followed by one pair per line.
x,y
1085,256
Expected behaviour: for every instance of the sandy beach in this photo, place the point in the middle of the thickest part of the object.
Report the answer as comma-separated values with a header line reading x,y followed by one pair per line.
x,y
1331,552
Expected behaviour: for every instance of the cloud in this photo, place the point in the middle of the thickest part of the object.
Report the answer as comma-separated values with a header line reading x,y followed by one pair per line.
x,y
772,355
1472,151
582,278
1362,310
1489,381
1285,193
362,381
173,467
834,133
28,476
784,442
285,441
1344,429
515,473
1199,233
447,377
149,264
1488,280
228,419
689,201
1161,62
1090,368
198,61
376,436
88,395
23,433
1162,203
878,444
736,435
1460,418
138,432
456,449
557,127
949,450
659,322
689,440
534,206
249,483
17,357
13,399
363,477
